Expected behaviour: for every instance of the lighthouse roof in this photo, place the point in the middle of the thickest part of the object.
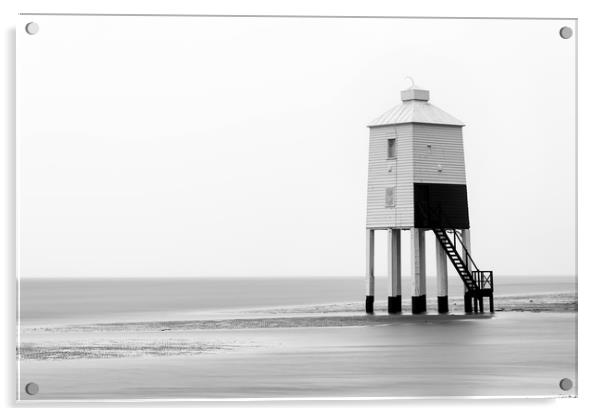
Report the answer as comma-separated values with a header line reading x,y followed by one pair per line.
x,y
415,108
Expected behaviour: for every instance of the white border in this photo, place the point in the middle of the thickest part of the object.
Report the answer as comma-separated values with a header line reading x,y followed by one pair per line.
x,y
589,150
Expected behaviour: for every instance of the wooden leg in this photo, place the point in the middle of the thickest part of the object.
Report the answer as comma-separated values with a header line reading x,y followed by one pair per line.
x,y
370,271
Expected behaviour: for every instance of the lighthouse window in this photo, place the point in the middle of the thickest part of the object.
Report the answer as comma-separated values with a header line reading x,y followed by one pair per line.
x,y
390,196
391,149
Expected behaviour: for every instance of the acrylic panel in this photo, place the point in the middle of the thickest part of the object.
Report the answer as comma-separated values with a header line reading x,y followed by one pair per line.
x,y
224,207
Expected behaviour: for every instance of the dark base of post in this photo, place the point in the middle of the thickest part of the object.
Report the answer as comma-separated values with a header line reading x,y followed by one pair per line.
x,y
491,304
467,303
419,304
398,304
370,304
394,304
442,304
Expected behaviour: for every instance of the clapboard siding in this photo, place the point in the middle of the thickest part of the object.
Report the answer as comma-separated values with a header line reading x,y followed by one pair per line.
x,y
384,173
446,151
405,169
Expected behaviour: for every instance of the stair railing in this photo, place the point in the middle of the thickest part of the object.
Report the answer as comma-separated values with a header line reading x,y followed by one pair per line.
x,y
465,250
482,278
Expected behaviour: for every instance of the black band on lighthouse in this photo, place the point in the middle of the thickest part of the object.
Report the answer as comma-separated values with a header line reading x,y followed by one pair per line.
x,y
440,205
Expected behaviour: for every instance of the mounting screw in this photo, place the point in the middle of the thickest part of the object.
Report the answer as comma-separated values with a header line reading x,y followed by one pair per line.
x,y
32,388
32,28
566,32
566,384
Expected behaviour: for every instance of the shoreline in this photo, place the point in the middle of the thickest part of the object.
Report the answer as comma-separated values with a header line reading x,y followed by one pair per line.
x,y
298,315
303,321
198,337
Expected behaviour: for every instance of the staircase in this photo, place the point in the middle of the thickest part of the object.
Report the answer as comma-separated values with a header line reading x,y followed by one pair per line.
x,y
478,283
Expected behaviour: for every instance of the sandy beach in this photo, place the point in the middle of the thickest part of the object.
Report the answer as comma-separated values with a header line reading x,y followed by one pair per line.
x,y
509,354
304,351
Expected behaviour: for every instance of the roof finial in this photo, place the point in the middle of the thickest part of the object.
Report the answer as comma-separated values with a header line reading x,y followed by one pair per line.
x,y
412,81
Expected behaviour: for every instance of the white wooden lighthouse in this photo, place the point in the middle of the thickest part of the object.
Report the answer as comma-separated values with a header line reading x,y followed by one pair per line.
x,y
417,182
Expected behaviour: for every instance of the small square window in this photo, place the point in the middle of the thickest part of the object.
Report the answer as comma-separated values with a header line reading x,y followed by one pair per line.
x,y
391,148
390,196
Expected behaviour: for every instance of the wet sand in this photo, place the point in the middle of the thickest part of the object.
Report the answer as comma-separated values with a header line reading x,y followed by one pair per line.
x,y
305,355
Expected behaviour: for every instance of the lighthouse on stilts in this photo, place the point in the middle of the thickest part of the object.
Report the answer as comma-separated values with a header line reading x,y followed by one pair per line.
x,y
417,182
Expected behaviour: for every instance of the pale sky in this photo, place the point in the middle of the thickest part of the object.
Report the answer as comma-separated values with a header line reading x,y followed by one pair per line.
x,y
238,147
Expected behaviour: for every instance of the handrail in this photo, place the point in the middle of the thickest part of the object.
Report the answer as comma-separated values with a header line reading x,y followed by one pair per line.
x,y
481,278
484,278
466,252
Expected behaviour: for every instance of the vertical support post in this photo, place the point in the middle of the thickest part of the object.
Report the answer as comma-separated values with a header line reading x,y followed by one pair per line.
x,y
466,241
491,304
442,299
418,271
467,296
398,271
369,271
394,263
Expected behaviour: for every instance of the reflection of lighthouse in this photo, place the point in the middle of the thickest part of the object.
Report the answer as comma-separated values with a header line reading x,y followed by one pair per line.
x,y
417,182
